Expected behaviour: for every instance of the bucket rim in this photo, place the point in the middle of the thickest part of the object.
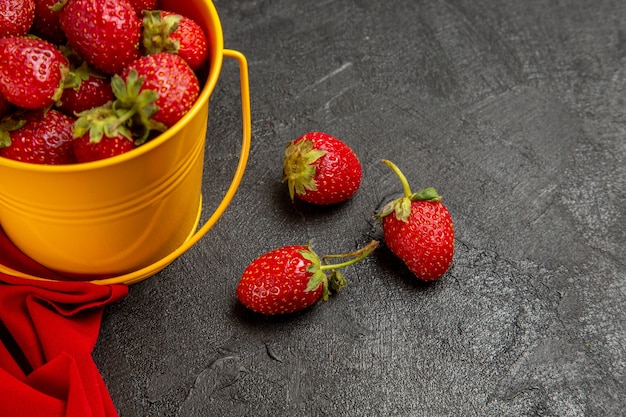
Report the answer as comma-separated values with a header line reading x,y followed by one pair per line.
x,y
215,66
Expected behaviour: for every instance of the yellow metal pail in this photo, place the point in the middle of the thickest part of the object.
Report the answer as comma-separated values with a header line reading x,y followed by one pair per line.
x,y
124,218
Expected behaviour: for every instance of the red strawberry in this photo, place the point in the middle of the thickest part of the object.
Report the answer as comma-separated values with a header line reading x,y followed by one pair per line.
x,y
140,5
46,24
292,278
16,17
321,169
100,133
84,89
105,32
32,71
418,229
165,31
40,137
87,150
171,78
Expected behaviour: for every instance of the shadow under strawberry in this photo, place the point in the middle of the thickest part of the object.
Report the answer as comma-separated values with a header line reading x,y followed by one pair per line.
x,y
296,210
393,269
256,322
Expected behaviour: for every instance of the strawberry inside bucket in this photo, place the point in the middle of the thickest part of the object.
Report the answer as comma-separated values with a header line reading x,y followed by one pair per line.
x,y
126,217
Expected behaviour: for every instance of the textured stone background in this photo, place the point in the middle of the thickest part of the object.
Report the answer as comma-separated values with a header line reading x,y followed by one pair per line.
x,y
515,111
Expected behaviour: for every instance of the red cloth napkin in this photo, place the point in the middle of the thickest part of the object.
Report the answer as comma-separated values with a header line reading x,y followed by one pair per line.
x,y
48,331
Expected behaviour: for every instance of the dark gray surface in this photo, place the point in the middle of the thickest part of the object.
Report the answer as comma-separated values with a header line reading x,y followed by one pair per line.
x,y
515,111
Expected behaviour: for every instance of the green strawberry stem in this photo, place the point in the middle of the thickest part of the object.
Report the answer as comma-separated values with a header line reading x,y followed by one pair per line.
x,y
428,194
357,256
402,206
403,180
335,281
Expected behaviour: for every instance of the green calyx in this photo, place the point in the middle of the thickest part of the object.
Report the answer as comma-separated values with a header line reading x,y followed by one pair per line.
x,y
402,206
101,121
299,169
136,106
7,125
335,281
157,30
129,115
76,75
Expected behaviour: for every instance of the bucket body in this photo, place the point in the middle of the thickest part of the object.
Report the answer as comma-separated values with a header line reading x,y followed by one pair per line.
x,y
120,214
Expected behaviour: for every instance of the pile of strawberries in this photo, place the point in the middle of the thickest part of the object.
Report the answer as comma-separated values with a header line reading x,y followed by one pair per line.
x,y
84,80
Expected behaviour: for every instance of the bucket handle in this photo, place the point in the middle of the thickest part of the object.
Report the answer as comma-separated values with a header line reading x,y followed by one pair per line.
x,y
150,270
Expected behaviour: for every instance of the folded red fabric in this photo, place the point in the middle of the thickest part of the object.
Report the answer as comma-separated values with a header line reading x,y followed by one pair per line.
x,y
48,331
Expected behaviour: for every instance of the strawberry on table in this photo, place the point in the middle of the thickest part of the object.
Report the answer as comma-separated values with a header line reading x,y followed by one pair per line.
x,y
105,32
32,71
292,278
38,137
16,17
321,169
418,229
170,77
165,31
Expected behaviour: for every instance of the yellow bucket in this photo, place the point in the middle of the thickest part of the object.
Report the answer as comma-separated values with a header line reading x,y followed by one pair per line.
x,y
123,219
